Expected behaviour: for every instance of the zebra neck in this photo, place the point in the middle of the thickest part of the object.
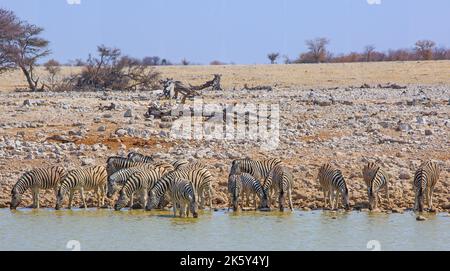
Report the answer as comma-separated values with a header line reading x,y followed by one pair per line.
x,y
21,186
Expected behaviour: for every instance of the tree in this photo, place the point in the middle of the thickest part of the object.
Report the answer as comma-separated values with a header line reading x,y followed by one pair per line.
x,y
424,49
318,49
21,46
112,71
368,52
151,61
216,62
185,62
273,57
9,28
53,68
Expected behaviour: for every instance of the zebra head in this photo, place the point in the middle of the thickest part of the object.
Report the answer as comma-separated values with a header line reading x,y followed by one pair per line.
x,y
235,167
62,191
193,203
152,200
111,187
344,194
235,188
16,198
121,201
371,197
265,202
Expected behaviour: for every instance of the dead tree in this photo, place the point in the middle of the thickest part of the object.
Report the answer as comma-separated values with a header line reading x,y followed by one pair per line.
x,y
172,88
214,84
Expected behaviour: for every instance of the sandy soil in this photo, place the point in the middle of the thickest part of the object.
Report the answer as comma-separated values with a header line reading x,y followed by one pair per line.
x,y
325,117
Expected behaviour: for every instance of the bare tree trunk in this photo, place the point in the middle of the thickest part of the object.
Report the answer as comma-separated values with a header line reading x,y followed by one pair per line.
x,y
31,84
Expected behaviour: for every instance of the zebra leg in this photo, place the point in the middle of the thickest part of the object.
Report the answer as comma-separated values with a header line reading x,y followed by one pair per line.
x,y
324,198
387,194
174,209
97,192
131,200
70,198
82,198
35,194
37,198
291,206
102,193
430,204
202,199
210,196
247,196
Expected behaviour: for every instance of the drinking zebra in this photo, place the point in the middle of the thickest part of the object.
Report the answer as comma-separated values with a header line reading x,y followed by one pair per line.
x,y
36,179
200,178
83,179
376,179
258,168
247,186
281,182
234,190
184,196
333,184
118,179
139,183
425,178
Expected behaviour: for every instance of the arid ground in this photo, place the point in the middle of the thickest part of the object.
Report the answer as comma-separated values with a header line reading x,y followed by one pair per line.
x,y
346,114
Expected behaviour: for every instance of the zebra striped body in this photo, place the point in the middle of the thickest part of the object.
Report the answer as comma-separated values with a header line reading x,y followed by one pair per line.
x,y
36,179
116,163
83,179
137,157
248,187
333,184
178,164
139,182
118,179
193,166
425,178
200,178
183,195
281,181
257,168
376,179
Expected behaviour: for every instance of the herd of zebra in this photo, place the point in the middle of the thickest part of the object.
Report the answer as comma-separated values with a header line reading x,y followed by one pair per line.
x,y
188,185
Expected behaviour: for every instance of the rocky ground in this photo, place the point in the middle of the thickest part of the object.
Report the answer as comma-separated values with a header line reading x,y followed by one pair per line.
x,y
349,126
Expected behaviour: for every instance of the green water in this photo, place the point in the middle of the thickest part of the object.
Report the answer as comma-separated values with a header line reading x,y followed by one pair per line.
x,y
94,229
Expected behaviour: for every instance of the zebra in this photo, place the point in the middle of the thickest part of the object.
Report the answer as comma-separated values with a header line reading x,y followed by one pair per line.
x,y
333,184
234,189
258,168
200,178
83,179
425,178
376,179
184,194
119,178
139,182
281,181
137,157
248,186
36,179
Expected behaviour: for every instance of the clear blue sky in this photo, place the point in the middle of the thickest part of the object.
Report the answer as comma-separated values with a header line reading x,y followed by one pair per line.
x,y
239,31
